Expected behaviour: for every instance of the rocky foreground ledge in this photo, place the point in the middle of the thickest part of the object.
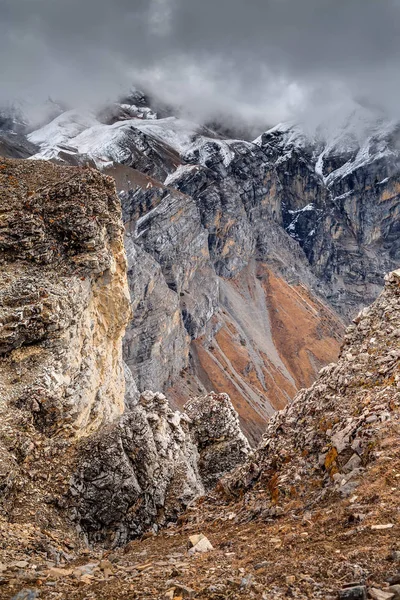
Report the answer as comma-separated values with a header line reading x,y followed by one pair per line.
x,y
313,513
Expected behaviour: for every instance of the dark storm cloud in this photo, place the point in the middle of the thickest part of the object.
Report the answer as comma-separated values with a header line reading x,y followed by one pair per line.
x,y
258,58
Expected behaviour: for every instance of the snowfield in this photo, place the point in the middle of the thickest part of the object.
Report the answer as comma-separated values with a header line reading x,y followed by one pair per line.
x,y
83,134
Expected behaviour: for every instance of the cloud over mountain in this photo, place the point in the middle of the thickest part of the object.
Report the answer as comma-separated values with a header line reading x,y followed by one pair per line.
x,y
261,59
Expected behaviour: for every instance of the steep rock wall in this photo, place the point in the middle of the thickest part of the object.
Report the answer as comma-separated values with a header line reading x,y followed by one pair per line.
x,y
216,316
64,296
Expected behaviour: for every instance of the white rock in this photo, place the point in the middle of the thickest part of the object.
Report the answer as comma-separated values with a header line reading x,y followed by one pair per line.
x,y
200,544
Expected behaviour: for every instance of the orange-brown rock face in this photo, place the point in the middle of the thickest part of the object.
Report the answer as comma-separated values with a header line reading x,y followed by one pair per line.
x,y
272,340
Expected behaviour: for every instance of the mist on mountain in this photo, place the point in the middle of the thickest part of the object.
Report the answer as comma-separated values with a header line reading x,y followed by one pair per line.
x,y
258,62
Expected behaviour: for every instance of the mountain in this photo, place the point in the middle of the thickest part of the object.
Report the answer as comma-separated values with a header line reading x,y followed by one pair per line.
x,y
13,141
246,259
89,464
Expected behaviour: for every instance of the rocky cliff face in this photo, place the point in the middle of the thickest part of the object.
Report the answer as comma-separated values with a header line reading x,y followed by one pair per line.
x,y
296,226
64,306
340,202
79,446
64,296
212,229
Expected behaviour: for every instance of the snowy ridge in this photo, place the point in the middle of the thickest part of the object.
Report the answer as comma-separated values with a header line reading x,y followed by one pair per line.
x,y
83,134
178,134
343,144
191,141
290,134
337,148
62,129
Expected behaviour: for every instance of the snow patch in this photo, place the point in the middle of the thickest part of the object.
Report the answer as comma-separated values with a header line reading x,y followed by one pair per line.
x,y
62,129
308,208
180,171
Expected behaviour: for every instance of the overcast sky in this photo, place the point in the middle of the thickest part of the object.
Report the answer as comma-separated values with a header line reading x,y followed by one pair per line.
x,y
261,59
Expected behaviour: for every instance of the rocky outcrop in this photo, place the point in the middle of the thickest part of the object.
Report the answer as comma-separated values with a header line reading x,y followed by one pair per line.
x,y
138,473
78,443
143,471
64,297
64,306
216,432
343,415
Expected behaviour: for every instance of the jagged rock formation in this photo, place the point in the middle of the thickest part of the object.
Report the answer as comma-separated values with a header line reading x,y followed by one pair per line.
x,y
67,451
216,432
138,473
145,469
328,434
339,200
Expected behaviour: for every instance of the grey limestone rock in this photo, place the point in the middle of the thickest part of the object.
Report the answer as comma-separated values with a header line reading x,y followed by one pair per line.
x,y
144,470
139,472
216,431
